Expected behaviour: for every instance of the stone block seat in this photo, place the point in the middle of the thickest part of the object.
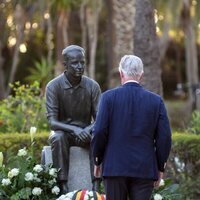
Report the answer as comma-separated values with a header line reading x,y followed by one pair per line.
x,y
79,176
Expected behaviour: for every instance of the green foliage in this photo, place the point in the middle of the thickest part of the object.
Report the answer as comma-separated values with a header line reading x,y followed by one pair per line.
x,y
194,126
23,178
179,113
168,191
65,4
184,163
42,73
23,109
10,143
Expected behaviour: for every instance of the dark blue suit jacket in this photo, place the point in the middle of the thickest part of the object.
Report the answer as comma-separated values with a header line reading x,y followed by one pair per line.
x,y
132,135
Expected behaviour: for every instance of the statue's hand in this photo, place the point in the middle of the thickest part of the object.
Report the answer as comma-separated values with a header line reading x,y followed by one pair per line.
x,y
85,136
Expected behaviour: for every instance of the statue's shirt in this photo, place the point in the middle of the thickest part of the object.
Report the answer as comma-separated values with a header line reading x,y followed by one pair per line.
x,y
72,105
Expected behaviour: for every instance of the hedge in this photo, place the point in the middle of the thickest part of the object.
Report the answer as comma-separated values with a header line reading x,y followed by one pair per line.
x,y
185,146
10,143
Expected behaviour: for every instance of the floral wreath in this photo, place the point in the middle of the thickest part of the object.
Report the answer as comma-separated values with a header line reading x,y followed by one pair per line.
x,y
83,194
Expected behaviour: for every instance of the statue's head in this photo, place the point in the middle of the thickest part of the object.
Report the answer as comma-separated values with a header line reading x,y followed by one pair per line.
x,y
74,60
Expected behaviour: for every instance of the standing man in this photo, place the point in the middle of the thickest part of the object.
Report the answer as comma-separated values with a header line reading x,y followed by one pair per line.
x,y
131,136
71,104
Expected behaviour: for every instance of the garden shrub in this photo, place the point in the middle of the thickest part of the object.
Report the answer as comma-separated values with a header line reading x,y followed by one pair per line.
x,y
11,143
23,109
184,163
194,125
22,177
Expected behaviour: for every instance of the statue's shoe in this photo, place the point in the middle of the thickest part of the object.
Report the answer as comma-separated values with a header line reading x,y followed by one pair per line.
x,y
63,187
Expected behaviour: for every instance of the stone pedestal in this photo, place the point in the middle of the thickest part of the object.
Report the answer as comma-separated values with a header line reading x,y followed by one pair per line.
x,y
46,158
79,176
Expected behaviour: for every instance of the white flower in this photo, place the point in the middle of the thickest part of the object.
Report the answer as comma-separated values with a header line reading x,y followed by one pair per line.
x,y
86,197
36,191
38,168
180,165
13,172
51,182
1,159
62,197
53,172
71,194
22,152
55,190
90,193
162,182
38,180
157,197
33,130
29,176
6,181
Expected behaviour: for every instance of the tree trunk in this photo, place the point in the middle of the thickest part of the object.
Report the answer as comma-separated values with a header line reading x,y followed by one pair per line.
x,y
146,45
83,25
83,22
2,81
191,53
19,17
49,37
109,43
92,14
122,13
61,39
164,39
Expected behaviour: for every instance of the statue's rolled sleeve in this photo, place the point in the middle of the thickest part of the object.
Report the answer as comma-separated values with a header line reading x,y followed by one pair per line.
x,y
51,103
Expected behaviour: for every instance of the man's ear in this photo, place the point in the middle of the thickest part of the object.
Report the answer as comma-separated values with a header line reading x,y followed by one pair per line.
x,y
121,74
65,64
141,77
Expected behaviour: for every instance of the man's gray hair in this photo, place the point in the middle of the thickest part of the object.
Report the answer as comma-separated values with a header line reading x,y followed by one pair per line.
x,y
131,66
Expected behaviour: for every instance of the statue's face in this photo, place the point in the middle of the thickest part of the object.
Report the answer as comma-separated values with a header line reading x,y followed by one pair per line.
x,y
75,63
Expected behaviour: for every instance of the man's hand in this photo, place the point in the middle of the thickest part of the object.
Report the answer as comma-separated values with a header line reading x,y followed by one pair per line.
x,y
160,176
97,171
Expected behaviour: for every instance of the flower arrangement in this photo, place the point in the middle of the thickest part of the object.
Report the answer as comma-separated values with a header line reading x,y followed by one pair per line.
x,y
23,178
82,195
27,180
166,191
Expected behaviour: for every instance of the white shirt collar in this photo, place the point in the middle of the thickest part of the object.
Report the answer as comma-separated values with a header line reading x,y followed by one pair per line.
x,y
131,81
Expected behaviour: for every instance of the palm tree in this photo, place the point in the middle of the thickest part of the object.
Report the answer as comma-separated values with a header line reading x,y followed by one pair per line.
x,y
63,8
146,44
120,34
42,73
93,10
191,52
